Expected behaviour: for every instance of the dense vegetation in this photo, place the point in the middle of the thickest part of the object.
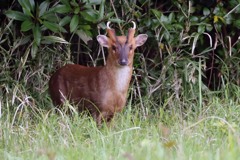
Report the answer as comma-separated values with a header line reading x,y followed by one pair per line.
x,y
183,100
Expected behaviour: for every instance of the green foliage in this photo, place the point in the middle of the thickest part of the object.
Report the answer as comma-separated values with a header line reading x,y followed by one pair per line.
x,y
193,46
53,19
194,43
36,18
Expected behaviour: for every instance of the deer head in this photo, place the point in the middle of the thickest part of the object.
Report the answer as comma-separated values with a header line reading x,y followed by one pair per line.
x,y
121,48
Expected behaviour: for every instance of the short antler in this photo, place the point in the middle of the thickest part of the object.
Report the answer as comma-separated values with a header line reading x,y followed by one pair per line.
x,y
111,32
108,23
134,25
131,32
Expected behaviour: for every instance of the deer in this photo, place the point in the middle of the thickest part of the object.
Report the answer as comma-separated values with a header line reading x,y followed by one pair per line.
x,y
101,90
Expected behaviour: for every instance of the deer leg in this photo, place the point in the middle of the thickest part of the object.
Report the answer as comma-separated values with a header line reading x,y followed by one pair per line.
x,y
102,117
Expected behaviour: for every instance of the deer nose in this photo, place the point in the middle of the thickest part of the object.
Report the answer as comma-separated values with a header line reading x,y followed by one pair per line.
x,y
123,62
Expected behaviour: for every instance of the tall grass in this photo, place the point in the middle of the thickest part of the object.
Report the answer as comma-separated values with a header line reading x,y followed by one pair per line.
x,y
170,134
32,128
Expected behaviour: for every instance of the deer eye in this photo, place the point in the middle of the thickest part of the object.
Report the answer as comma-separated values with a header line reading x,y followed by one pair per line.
x,y
130,47
114,48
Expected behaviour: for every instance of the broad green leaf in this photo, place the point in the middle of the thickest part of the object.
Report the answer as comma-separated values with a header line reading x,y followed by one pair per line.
x,y
62,29
84,36
27,4
74,23
101,10
110,14
164,19
171,17
76,10
61,9
16,15
24,4
26,25
74,3
166,35
50,16
53,39
52,26
209,28
32,4
66,2
34,50
88,33
178,26
157,13
89,15
206,11
193,18
65,21
85,27
201,28
26,7
43,7
37,34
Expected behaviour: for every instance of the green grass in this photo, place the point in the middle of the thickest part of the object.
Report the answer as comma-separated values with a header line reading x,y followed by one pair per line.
x,y
166,134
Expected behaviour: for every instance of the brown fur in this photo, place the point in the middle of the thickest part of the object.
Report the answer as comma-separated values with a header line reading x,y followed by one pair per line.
x,y
105,88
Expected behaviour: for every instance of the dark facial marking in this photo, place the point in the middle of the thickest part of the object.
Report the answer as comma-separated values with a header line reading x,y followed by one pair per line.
x,y
123,50
123,54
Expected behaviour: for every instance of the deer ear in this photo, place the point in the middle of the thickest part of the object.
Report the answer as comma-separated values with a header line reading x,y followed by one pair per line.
x,y
141,39
103,40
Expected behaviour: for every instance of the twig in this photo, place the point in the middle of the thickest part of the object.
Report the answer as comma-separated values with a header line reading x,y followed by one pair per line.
x,y
231,11
212,117
120,27
126,130
140,97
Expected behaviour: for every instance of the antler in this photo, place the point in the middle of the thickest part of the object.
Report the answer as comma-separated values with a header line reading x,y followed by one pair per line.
x,y
108,23
111,32
134,25
131,32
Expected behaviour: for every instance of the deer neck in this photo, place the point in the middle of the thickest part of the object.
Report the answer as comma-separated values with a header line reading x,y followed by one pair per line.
x,y
121,76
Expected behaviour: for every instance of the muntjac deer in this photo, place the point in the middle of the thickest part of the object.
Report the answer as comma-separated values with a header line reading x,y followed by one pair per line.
x,y
100,90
